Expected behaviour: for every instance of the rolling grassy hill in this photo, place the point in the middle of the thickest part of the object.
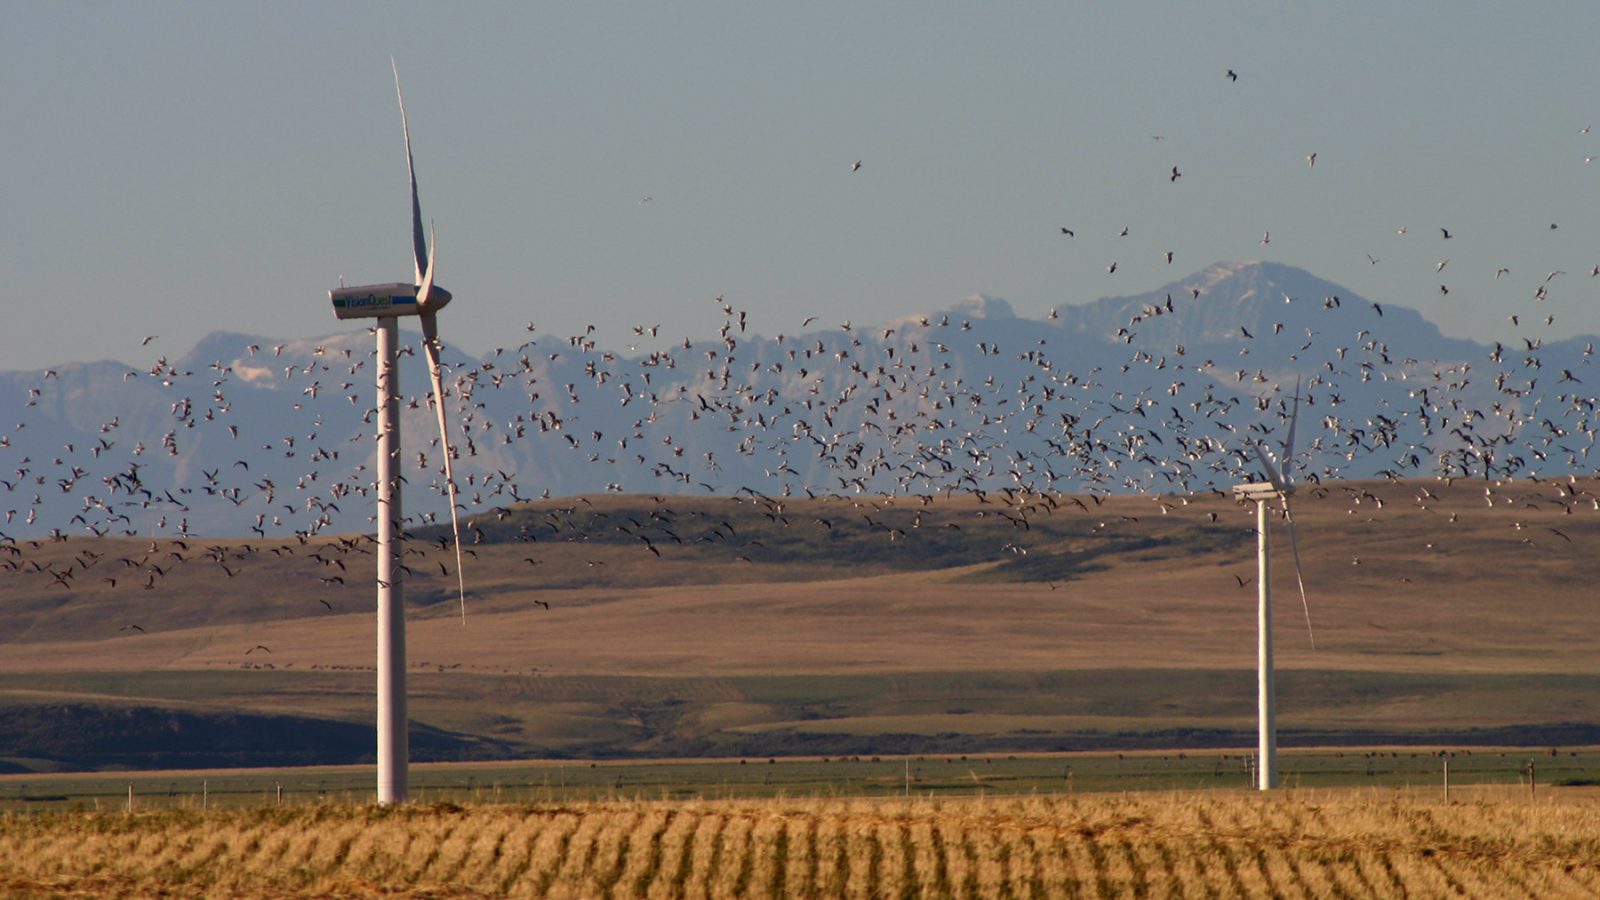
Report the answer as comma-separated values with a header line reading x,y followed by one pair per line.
x,y
630,625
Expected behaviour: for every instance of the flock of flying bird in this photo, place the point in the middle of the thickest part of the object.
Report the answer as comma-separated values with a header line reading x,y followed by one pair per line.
x,y
1160,401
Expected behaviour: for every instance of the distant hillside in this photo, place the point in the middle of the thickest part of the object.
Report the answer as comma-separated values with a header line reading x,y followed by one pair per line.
x,y
1157,393
659,625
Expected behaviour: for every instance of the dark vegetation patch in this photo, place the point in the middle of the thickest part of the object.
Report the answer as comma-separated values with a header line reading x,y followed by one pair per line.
x,y
90,736
648,717
1029,537
785,742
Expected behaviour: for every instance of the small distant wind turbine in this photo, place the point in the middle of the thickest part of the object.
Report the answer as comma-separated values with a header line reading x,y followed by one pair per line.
x,y
1277,487
386,303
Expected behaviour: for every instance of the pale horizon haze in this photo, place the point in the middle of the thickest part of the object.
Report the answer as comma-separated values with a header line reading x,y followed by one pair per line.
x,y
179,168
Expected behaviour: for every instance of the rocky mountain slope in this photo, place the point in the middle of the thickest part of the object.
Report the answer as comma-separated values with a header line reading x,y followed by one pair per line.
x,y
1160,392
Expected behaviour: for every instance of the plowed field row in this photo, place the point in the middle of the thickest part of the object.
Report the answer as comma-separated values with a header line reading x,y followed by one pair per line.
x,y
1180,845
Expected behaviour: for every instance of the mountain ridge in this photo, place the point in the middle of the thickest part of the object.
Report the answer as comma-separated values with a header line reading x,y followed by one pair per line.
x,y
1155,392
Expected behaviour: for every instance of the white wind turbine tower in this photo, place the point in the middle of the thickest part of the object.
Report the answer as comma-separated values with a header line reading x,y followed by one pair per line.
x,y
387,303
1277,487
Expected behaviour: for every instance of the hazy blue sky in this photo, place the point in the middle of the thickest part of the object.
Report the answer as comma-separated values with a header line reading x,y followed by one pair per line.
x,y
174,169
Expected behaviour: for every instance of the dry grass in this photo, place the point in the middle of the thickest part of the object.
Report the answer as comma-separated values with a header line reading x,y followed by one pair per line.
x,y
1410,576
1438,608
1309,844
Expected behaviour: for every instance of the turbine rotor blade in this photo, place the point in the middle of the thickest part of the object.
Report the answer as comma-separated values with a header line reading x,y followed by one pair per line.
x,y
1288,445
425,291
419,245
1294,550
430,346
1272,473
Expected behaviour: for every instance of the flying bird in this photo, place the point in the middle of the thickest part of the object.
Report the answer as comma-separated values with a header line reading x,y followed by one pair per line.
x,y
855,166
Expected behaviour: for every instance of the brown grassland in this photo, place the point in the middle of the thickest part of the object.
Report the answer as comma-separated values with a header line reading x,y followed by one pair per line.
x,y
1399,573
1496,843
764,626
1416,576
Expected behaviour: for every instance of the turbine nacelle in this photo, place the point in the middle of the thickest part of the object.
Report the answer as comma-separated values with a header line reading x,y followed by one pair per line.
x,y
1261,490
374,301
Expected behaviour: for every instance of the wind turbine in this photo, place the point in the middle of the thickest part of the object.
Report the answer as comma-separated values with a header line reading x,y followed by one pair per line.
x,y
1277,487
387,303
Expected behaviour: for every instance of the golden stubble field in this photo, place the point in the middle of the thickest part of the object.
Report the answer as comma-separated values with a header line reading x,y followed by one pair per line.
x,y
1497,843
